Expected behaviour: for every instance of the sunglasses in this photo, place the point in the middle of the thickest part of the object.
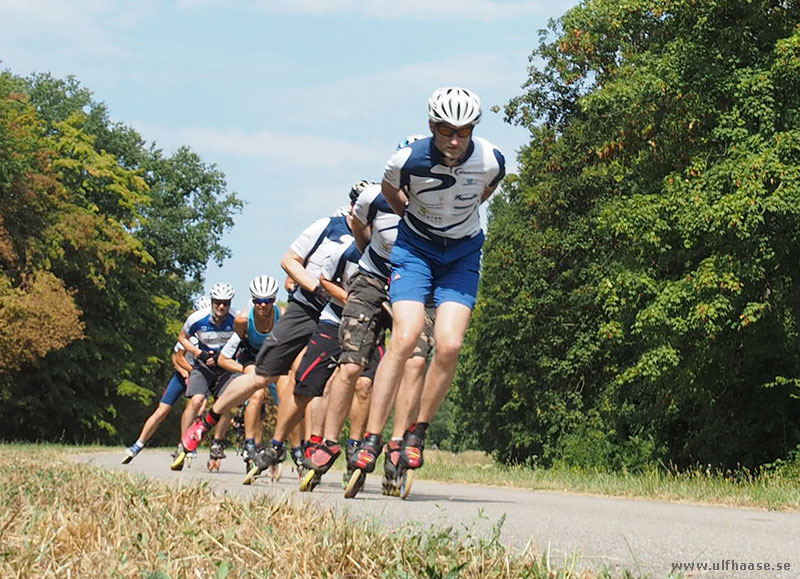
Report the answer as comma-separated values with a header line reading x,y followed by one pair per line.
x,y
262,301
447,131
221,302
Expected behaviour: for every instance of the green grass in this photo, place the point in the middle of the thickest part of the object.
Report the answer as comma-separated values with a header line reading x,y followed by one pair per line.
x,y
778,489
62,518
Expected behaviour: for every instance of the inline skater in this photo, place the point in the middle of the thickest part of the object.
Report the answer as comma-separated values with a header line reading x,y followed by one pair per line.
x,y
212,328
302,262
250,328
436,185
322,351
182,362
365,320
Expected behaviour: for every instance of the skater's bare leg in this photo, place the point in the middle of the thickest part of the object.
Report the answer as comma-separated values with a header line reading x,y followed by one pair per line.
x,y
409,319
406,406
452,320
341,395
359,407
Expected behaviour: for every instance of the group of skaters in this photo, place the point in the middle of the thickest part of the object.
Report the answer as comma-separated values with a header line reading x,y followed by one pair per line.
x,y
403,257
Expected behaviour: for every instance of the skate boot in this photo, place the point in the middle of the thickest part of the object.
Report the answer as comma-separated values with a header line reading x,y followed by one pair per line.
x,y
353,446
413,445
391,469
298,454
411,456
269,457
248,453
175,454
130,453
362,463
216,454
318,464
190,440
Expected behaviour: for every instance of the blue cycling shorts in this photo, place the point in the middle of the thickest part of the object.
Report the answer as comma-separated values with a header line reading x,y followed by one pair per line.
x,y
423,268
173,391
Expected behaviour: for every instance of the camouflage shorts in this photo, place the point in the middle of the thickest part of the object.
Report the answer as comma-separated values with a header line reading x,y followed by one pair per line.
x,y
364,319
425,343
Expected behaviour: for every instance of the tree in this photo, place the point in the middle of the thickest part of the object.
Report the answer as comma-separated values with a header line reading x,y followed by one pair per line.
x,y
116,225
656,298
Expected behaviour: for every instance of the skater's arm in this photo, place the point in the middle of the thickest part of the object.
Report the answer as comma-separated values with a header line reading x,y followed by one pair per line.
x,y
180,363
292,264
362,233
226,359
183,338
395,197
335,290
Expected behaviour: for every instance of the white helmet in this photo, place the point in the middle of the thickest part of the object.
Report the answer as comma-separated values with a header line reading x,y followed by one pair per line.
x,y
358,188
202,303
222,291
408,140
455,106
264,287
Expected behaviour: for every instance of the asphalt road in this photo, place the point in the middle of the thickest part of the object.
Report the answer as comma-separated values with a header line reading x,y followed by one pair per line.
x,y
645,537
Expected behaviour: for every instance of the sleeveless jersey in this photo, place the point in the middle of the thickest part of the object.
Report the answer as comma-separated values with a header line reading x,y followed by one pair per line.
x,y
443,201
339,268
254,337
317,242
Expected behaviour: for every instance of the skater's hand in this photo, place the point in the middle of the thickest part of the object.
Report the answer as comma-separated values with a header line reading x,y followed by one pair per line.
x,y
321,295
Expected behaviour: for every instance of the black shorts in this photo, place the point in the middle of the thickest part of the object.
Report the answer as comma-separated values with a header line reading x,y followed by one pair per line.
x,y
375,359
246,357
319,361
208,381
289,337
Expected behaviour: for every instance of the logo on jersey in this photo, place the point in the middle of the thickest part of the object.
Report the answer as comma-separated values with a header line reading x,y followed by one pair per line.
x,y
396,276
463,171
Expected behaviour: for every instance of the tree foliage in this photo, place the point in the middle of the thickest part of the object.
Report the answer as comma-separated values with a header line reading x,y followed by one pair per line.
x,y
103,239
641,284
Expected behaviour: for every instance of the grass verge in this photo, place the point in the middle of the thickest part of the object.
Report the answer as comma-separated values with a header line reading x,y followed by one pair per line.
x,y
776,490
64,519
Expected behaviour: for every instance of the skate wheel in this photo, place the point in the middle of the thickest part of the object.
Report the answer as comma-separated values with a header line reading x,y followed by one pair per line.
x,y
188,461
405,483
177,464
276,471
307,482
248,464
251,476
355,484
127,459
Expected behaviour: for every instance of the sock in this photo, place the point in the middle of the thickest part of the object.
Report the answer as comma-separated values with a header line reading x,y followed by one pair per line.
x,y
249,440
277,444
353,442
420,428
330,443
211,417
315,439
138,445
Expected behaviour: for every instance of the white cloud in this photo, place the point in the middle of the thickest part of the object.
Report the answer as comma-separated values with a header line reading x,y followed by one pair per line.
x,y
291,149
481,10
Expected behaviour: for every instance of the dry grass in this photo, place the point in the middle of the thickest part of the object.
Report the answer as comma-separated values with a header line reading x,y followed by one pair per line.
x,y
62,519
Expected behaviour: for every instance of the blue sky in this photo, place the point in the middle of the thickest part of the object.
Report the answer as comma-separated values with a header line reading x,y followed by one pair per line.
x,y
293,101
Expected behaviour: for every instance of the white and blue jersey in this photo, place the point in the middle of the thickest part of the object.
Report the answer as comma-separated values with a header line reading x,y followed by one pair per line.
x,y
372,209
317,242
339,268
443,201
211,337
